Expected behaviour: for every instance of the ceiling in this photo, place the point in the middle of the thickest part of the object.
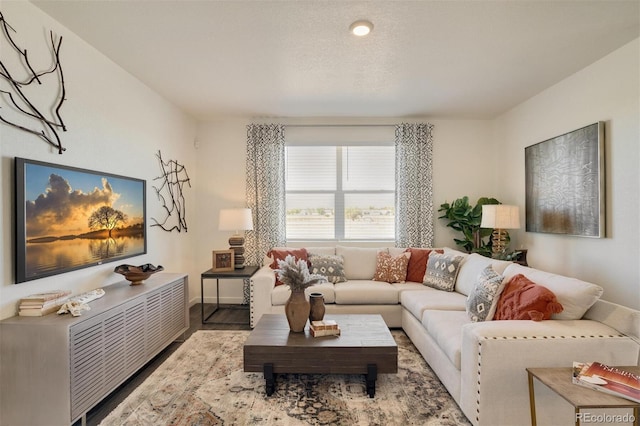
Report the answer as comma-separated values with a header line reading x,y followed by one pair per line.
x,y
459,59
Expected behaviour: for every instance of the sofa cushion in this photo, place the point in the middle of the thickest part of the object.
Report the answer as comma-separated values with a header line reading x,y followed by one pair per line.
x,y
418,263
445,327
280,294
471,268
359,263
418,301
331,266
483,299
391,269
321,250
442,270
365,292
575,296
523,299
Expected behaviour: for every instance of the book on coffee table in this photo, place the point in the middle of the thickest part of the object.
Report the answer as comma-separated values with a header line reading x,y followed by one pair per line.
x,y
603,378
324,328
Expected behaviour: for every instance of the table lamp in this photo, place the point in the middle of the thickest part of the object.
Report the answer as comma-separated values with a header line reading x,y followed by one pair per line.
x,y
499,217
236,220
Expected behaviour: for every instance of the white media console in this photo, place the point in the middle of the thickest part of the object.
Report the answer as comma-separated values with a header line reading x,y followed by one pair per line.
x,y
55,368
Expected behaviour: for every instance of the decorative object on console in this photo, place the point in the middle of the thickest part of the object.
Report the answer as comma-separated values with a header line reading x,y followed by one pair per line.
x,y
223,260
295,274
522,299
317,308
25,107
500,217
564,184
465,218
174,176
89,228
442,270
236,220
78,304
137,274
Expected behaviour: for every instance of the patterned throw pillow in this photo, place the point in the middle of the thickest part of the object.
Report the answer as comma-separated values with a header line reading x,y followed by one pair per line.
x,y
331,266
391,269
418,263
483,299
442,270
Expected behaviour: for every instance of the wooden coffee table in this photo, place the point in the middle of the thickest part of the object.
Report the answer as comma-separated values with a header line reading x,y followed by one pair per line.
x,y
365,346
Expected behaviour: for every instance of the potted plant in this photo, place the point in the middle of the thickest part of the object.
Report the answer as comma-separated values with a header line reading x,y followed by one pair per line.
x,y
466,218
294,273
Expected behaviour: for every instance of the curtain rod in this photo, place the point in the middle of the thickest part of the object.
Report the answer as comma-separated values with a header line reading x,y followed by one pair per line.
x,y
340,125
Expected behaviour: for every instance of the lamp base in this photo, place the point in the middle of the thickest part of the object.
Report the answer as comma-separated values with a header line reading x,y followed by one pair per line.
x,y
498,243
236,243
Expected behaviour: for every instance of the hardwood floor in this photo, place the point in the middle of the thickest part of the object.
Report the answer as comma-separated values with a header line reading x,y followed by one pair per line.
x,y
227,318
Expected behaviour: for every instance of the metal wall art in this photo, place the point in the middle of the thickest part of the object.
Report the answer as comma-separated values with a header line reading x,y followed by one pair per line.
x,y
20,109
564,179
174,177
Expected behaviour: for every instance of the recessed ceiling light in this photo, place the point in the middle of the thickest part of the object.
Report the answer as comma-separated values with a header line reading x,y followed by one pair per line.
x,y
361,28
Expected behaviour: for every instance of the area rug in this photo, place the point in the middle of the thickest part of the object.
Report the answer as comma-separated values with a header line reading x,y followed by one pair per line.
x,y
203,383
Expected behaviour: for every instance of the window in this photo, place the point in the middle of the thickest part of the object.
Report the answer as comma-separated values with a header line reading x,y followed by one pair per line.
x,y
340,192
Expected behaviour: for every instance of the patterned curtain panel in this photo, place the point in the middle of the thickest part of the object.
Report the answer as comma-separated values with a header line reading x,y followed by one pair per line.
x,y
265,190
414,185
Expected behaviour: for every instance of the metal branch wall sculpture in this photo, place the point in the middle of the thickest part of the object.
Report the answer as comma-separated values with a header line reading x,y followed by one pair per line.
x,y
174,176
14,94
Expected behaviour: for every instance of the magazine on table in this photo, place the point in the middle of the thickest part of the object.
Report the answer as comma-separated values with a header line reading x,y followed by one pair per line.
x,y
612,380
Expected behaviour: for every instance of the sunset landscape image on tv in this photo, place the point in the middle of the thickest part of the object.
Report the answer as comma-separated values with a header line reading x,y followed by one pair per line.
x,y
75,218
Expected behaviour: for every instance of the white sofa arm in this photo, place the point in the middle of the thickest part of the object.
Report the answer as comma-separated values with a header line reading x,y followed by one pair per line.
x,y
262,283
495,354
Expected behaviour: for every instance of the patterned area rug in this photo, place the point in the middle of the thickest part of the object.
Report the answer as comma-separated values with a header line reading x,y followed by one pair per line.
x,y
203,383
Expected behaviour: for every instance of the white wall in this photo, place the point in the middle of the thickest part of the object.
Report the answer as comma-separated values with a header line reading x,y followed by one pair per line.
x,y
116,125
460,158
608,91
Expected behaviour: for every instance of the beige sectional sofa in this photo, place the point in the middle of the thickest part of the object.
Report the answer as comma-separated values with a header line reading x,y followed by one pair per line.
x,y
482,364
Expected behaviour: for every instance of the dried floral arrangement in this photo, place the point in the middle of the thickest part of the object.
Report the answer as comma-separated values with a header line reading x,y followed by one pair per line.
x,y
295,274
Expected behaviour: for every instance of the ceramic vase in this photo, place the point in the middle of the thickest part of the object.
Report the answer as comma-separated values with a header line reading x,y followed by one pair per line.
x,y
297,311
316,301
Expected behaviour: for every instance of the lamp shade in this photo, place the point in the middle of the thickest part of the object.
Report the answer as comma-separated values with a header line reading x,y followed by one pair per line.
x,y
500,216
235,220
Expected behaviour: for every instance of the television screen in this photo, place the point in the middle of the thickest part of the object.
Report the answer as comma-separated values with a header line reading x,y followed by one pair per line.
x,y
69,218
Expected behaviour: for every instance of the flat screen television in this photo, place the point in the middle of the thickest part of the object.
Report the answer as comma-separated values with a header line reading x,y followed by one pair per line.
x,y
69,218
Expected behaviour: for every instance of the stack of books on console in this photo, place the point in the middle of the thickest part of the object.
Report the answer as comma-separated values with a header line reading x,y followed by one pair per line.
x,y
324,328
41,304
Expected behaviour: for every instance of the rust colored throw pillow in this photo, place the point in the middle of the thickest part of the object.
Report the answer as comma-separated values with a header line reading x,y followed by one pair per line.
x,y
277,254
391,269
418,263
523,299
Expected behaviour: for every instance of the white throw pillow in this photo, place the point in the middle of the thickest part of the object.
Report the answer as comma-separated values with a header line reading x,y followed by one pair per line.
x,y
359,262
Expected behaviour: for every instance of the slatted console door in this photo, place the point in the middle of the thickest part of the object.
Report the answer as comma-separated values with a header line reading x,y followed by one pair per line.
x,y
55,368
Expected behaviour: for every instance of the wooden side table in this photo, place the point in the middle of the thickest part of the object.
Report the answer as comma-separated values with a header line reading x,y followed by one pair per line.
x,y
244,273
559,381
